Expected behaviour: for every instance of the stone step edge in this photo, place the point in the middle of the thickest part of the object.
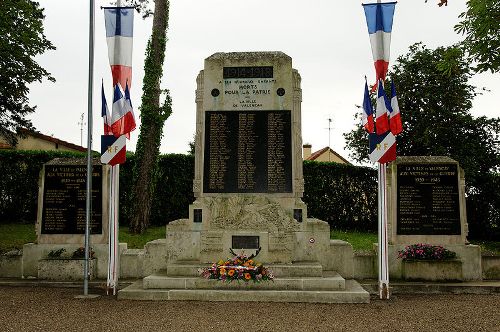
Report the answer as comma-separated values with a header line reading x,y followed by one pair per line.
x,y
160,281
353,293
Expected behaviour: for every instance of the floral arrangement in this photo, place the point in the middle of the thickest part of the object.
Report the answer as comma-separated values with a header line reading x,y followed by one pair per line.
x,y
240,267
422,251
80,253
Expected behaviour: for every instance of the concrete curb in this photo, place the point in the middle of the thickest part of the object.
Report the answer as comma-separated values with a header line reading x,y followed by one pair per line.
x,y
403,287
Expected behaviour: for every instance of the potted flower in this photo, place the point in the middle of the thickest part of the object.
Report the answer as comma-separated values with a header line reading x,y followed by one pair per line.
x,y
423,261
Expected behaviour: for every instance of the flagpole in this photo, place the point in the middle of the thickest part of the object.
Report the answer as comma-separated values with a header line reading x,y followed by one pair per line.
x,y
89,150
383,273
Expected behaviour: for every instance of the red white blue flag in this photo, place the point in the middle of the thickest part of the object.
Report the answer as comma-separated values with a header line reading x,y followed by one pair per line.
x,y
122,120
119,23
379,17
367,116
395,116
113,150
382,148
383,109
106,116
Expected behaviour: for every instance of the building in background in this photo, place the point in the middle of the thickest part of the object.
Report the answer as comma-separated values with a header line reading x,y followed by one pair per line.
x,y
325,154
31,140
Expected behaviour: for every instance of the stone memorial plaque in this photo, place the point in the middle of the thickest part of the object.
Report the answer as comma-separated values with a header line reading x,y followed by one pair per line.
x,y
64,200
245,242
247,152
428,199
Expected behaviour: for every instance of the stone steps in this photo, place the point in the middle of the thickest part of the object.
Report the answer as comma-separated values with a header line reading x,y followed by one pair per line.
x,y
162,281
296,282
353,293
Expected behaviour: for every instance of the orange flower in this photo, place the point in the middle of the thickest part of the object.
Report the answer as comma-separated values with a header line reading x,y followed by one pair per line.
x,y
222,271
247,276
230,273
250,262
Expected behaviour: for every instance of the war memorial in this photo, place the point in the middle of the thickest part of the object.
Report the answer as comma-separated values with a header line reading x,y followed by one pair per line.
x,y
248,186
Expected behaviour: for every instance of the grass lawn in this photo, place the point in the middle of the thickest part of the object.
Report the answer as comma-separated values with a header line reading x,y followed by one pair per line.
x,y
138,241
359,241
13,236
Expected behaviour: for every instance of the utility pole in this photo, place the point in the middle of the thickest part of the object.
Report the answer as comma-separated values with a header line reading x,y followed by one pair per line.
x,y
81,124
329,130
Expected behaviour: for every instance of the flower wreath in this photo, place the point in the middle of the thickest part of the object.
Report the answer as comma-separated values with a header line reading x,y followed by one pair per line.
x,y
240,267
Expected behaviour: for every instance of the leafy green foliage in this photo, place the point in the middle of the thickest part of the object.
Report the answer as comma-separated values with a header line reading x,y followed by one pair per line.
x,y
19,182
21,39
56,253
153,116
435,99
345,196
481,27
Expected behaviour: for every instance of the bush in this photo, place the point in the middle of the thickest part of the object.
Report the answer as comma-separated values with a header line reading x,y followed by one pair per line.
x,y
174,190
19,182
427,252
343,195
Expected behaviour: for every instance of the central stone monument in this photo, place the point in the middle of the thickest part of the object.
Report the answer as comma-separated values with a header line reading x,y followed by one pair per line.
x,y
248,185
248,164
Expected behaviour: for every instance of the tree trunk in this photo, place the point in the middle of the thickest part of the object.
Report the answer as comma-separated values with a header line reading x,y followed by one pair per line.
x,y
153,117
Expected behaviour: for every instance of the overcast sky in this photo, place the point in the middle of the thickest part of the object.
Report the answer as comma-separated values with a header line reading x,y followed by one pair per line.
x,y
327,40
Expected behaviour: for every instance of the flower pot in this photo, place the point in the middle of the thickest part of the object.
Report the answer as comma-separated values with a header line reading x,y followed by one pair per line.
x,y
65,269
428,270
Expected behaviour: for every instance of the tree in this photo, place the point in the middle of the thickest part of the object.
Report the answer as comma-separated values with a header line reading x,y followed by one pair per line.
x,y
435,99
481,27
21,39
153,116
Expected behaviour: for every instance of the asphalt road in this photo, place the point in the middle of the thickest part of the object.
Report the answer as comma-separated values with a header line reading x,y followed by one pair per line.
x,y
56,309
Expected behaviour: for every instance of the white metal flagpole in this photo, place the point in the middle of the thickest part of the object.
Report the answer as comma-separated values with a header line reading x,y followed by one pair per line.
x,y
116,218
382,234
109,284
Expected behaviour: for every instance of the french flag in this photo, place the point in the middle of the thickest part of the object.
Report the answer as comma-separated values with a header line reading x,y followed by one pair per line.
x,y
367,116
395,116
379,17
106,116
383,108
382,148
119,23
123,120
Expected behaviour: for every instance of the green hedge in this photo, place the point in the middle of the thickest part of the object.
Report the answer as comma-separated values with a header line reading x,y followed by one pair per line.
x,y
343,195
19,171
174,191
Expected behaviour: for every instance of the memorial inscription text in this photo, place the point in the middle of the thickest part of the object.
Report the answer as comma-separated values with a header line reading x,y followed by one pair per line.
x,y
427,199
247,152
64,200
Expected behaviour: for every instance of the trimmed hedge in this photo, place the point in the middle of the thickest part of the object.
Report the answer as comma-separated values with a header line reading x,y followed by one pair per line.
x,y
19,172
343,195
174,190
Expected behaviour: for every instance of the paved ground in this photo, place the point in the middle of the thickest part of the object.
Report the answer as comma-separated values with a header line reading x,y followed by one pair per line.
x,y
56,309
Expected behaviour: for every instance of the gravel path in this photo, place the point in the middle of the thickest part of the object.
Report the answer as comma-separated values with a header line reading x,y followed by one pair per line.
x,y
56,309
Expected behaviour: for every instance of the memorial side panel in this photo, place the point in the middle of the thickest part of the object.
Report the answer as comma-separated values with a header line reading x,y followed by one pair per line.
x,y
64,200
428,199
